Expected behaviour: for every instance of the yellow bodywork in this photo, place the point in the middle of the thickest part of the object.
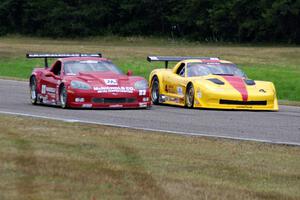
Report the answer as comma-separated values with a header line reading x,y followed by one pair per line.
x,y
173,88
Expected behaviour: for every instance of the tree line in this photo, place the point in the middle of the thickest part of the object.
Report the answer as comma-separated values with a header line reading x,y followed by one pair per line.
x,y
200,20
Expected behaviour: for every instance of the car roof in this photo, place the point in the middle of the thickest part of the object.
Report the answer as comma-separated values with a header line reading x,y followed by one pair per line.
x,y
207,61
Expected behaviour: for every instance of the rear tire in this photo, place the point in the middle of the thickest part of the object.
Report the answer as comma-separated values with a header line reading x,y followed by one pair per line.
x,y
155,91
33,90
63,97
190,96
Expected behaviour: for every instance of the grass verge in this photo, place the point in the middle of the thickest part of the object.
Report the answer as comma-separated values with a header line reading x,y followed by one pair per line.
x,y
58,160
279,64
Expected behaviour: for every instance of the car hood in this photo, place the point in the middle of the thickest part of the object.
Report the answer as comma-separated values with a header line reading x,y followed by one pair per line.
x,y
103,79
243,85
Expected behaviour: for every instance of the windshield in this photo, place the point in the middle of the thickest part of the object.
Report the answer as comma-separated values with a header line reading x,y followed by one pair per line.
x,y
74,67
202,69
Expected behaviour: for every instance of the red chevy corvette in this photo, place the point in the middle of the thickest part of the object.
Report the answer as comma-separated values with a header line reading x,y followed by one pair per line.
x,y
86,81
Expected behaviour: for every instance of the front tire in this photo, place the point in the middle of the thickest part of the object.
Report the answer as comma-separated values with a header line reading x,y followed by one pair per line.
x,y
190,96
63,96
155,91
33,90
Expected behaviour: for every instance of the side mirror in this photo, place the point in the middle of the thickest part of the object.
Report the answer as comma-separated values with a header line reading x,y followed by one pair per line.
x,y
129,73
49,74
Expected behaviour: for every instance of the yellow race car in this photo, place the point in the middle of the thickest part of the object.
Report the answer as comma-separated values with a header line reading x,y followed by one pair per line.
x,y
204,82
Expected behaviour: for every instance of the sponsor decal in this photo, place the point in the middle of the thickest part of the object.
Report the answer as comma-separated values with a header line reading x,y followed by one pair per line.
x,y
199,94
87,105
70,74
245,106
50,90
43,89
179,91
262,91
46,89
51,96
111,81
89,61
175,100
43,98
116,106
142,92
114,89
211,63
142,105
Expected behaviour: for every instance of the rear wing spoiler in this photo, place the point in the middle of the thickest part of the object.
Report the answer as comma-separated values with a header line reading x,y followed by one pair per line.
x,y
168,59
60,55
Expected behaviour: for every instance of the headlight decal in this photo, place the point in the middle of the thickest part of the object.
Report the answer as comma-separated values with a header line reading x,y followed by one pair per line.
x,y
141,85
80,85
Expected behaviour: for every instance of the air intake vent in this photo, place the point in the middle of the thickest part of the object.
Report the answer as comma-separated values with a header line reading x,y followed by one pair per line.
x,y
249,82
113,100
250,103
216,81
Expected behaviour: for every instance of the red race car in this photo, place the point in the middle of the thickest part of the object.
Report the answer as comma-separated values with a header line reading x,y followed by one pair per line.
x,y
86,81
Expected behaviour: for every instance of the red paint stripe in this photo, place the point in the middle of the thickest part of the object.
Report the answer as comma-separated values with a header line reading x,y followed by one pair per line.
x,y
239,84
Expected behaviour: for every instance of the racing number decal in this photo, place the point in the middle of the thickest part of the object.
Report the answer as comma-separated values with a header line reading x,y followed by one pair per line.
x,y
142,92
110,81
179,91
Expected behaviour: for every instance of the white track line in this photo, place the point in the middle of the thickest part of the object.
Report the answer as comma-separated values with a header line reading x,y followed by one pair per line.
x,y
150,129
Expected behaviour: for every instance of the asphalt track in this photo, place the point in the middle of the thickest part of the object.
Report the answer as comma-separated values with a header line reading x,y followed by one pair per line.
x,y
281,127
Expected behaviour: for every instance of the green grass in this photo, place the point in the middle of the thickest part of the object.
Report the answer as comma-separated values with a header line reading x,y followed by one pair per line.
x,y
279,64
57,160
286,80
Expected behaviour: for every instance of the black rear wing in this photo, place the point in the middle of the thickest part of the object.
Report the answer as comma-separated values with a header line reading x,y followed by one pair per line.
x,y
60,55
168,59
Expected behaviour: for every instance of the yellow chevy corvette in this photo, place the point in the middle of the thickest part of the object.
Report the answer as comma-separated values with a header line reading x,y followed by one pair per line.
x,y
204,82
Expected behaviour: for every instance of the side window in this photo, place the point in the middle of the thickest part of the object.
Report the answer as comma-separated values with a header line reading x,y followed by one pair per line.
x,y
181,70
56,69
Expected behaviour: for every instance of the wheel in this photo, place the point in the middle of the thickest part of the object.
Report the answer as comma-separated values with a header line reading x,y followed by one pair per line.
x,y
189,96
33,90
155,91
63,96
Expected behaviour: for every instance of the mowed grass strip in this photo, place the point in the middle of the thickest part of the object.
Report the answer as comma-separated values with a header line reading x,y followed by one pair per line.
x,y
46,159
278,64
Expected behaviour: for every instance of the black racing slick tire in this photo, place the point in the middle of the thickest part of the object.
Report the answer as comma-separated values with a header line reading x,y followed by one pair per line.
x,y
63,97
33,90
190,96
155,91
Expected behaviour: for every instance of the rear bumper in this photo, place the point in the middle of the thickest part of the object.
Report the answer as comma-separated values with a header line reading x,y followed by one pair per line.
x,y
88,99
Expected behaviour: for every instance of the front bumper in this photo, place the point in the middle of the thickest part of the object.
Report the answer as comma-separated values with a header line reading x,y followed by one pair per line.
x,y
92,99
235,102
